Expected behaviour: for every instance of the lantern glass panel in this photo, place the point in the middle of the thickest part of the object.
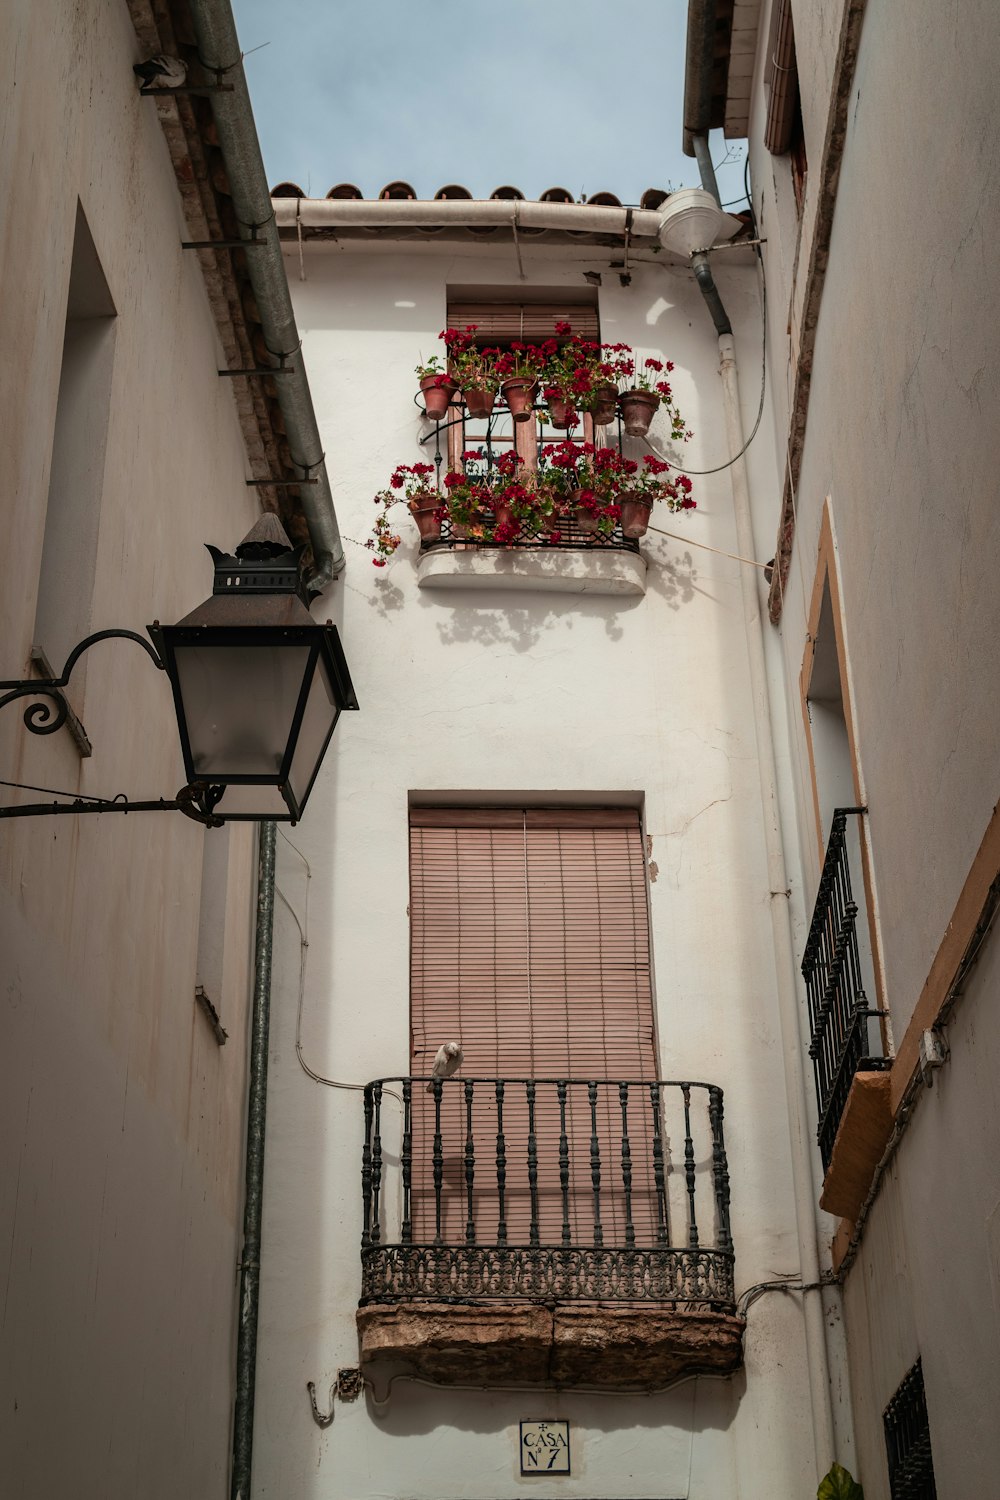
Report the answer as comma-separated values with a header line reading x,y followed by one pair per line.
x,y
317,725
239,705
252,802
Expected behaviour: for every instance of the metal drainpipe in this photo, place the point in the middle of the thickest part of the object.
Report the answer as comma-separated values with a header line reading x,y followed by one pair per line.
x,y
246,1344
218,46
706,167
792,1041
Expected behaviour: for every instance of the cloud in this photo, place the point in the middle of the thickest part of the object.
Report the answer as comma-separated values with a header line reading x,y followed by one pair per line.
x,y
574,93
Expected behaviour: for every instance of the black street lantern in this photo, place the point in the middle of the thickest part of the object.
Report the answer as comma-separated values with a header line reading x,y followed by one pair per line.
x,y
258,685
258,688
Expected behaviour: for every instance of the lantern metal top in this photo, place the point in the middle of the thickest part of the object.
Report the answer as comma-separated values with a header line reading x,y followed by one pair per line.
x,y
265,562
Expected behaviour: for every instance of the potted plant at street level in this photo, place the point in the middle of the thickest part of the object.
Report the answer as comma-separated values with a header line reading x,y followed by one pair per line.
x,y
437,387
642,486
645,394
409,482
473,369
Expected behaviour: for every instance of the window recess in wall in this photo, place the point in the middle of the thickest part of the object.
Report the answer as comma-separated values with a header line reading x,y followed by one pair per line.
x,y
552,1167
76,474
527,469
489,446
555,1164
849,1039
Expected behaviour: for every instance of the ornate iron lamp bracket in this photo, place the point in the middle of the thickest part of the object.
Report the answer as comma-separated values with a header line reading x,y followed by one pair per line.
x,y
43,718
196,801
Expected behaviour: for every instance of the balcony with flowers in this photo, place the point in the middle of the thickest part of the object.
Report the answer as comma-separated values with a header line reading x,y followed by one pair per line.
x,y
533,480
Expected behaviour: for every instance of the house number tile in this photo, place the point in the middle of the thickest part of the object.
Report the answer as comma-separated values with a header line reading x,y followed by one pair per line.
x,y
545,1448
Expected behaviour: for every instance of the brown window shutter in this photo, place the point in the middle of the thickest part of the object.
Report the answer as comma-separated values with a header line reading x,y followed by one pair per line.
x,y
530,946
530,322
781,80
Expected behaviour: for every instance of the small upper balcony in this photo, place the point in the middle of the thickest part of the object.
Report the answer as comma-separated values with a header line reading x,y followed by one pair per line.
x,y
846,1044
546,1231
548,459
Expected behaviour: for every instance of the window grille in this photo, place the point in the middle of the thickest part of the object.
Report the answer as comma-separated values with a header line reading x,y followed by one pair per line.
x,y
908,1440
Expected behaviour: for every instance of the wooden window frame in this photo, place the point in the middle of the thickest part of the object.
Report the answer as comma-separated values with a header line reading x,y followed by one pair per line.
x,y
500,323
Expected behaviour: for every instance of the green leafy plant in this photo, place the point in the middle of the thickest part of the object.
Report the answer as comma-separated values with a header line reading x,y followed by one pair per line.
x,y
473,367
433,367
839,1485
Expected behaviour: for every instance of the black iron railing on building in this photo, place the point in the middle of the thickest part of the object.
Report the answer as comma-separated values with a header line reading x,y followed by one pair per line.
x,y
908,1440
546,1189
846,1038
571,538
493,437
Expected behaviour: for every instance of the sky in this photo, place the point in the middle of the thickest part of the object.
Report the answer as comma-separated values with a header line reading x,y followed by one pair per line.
x,y
581,94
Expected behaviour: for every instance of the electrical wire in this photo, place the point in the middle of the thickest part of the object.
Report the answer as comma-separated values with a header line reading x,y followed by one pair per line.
x,y
720,468
689,542
752,1294
26,786
303,929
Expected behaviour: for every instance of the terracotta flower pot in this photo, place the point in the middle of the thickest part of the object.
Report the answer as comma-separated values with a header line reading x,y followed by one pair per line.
x,y
473,528
425,513
605,404
587,520
638,410
503,515
437,395
519,395
479,400
562,413
635,516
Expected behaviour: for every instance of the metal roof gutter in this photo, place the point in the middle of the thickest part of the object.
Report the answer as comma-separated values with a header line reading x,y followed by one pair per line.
x,y
698,70
512,213
219,48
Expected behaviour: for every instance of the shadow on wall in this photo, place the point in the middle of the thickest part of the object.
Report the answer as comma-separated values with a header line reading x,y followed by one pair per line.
x,y
501,618
695,1404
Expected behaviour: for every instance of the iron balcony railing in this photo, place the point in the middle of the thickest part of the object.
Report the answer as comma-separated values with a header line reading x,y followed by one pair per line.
x,y
908,1440
844,1040
571,538
493,436
545,1189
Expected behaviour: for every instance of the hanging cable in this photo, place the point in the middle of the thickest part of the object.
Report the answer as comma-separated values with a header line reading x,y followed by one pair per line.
x,y
303,929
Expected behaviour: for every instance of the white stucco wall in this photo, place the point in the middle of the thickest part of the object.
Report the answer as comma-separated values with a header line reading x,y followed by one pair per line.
x,y
121,1120
902,439
539,695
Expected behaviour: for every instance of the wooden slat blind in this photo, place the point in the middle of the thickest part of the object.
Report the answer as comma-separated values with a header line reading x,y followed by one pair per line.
x,y
530,946
532,322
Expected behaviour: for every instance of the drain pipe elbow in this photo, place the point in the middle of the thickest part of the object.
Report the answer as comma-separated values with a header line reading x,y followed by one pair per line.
x,y
326,568
706,282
